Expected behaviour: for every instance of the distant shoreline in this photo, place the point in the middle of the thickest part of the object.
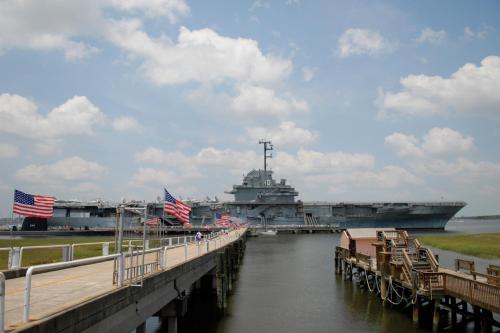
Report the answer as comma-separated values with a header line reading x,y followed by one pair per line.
x,y
481,217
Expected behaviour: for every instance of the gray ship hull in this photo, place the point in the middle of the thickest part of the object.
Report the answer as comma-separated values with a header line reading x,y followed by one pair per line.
x,y
90,222
351,215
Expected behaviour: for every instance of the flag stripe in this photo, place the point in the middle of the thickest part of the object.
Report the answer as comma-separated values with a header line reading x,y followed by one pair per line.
x,y
176,208
33,205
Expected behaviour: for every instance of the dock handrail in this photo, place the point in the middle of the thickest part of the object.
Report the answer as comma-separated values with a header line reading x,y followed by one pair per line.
x,y
475,292
408,265
432,260
490,279
62,265
464,264
493,270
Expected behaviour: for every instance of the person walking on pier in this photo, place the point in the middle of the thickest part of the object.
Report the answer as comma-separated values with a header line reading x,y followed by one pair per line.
x,y
198,236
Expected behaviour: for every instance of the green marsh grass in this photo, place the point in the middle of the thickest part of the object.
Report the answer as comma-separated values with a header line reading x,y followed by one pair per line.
x,y
485,246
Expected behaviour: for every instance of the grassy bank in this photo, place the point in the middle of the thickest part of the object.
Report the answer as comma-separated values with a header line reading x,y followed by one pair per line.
x,y
43,256
485,246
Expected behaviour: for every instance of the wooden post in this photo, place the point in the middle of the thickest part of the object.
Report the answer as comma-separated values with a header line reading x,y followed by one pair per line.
x,y
477,318
453,312
384,272
486,319
416,306
228,268
435,317
336,260
141,328
221,283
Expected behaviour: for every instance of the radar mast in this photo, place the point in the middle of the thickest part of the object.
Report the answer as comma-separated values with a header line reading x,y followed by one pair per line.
x,y
268,146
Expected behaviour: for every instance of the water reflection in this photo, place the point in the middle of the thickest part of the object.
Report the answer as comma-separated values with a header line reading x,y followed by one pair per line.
x,y
287,284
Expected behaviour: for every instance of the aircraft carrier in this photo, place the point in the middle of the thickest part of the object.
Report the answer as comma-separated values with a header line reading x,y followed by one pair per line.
x,y
260,199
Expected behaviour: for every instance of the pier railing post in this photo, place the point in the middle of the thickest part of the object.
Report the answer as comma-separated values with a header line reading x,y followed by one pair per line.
x,y
105,248
162,258
185,252
15,258
121,269
27,295
67,253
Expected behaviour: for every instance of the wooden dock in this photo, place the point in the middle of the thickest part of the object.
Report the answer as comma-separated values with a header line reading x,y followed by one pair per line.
x,y
407,275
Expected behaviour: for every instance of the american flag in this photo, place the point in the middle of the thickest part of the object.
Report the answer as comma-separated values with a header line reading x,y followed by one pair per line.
x,y
33,205
155,221
223,220
176,208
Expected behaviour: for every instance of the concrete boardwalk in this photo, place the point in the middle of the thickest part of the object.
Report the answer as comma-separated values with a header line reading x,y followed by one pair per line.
x,y
56,291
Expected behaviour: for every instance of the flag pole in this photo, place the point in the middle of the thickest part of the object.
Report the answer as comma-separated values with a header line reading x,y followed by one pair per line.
x,y
12,218
163,214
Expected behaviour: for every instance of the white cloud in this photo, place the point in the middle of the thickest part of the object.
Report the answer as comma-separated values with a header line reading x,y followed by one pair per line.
x,y
199,56
8,151
68,169
389,177
260,100
310,161
20,116
470,171
437,141
145,176
76,116
431,36
58,24
334,171
48,26
308,73
446,140
125,124
171,9
287,133
404,145
361,41
342,172
471,34
190,165
259,4
471,89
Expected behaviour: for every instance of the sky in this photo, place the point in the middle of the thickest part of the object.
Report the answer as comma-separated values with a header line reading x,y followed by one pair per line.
x,y
363,100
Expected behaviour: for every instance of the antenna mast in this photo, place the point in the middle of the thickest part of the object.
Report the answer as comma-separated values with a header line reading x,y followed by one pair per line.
x,y
268,146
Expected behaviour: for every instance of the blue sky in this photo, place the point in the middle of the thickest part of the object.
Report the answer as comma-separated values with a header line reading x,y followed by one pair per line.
x,y
363,100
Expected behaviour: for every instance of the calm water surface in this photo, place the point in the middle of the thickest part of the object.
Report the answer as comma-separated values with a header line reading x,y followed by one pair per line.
x,y
287,284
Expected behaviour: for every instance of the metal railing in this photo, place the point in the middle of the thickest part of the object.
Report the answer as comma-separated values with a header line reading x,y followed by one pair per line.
x,y
65,249
16,254
63,265
121,272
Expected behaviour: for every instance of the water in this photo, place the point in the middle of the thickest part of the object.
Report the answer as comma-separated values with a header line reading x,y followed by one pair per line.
x,y
287,284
